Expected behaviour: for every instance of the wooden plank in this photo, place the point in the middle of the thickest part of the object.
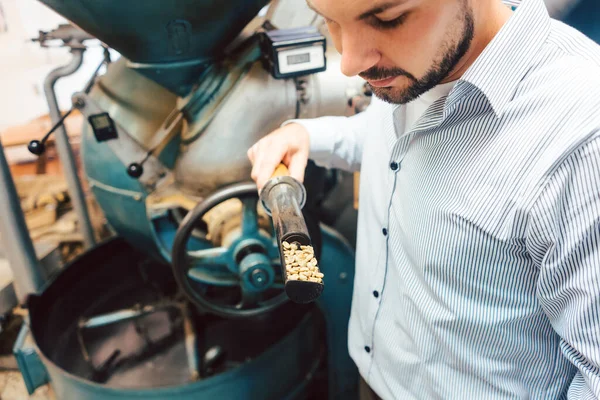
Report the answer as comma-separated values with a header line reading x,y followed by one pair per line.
x,y
37,128
40,217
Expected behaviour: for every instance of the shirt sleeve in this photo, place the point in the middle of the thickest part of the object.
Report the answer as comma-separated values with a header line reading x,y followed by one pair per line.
x,y
337,142
565,242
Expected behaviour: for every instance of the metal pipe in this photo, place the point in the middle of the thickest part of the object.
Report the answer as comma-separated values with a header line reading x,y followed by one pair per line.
x,y
123,315
63,147
15,237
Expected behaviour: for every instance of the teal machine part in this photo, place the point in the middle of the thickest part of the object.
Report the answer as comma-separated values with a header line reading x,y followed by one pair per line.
x,y
88,286
176,72
174,59
584,17
170,42
177,66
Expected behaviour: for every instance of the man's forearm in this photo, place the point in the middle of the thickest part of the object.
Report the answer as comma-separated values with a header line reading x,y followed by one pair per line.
x,y
336,142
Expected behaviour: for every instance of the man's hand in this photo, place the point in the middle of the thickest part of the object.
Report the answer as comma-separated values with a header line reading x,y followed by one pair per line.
x,y
289,144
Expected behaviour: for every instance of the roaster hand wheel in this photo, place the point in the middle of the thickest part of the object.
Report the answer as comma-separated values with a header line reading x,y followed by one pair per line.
x,y
249,262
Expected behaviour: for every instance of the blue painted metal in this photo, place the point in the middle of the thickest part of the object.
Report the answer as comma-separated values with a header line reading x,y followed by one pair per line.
x,y
129,217
122,198
256,272
584,17
158,234
222,267
32,369
170,44
337,261
267,377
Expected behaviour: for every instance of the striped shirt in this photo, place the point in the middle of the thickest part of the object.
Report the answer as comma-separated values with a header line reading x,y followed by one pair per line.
x,y
478,243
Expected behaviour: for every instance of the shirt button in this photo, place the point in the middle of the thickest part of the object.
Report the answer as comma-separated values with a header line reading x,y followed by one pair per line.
x,y
375,293
367,349
384,231
394,166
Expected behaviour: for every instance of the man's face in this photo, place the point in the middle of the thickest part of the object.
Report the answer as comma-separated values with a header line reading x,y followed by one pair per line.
x,y
402,48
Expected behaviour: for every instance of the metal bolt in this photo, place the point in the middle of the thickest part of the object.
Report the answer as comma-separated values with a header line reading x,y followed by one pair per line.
x,y
79,103
259,277
343,276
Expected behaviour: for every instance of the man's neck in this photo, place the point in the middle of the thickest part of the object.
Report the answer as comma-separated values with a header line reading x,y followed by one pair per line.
x,y
490,17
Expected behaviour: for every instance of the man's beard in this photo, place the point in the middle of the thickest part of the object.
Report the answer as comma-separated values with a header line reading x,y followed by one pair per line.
x,y
437,73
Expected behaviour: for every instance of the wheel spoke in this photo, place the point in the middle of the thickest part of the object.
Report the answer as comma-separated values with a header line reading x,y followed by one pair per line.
x,y
273,250
210,266
249,215
249,299
212,256
211,276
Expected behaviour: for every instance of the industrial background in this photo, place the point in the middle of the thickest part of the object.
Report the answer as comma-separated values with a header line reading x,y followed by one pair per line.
x,y
137,260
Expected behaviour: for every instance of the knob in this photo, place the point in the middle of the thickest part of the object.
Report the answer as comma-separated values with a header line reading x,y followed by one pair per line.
x,y
135,170
36,147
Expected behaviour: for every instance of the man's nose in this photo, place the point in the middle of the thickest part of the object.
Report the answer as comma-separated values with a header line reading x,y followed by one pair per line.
x,y
358,54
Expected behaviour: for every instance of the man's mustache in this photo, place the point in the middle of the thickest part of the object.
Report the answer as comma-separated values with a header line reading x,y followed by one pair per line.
x,y
376,74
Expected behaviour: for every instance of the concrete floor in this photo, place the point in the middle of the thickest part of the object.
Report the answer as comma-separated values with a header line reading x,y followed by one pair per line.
x,y
13,388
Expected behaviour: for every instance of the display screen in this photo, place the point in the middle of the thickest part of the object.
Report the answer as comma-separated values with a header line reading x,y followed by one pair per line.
x,y
103,126
298,58
100,121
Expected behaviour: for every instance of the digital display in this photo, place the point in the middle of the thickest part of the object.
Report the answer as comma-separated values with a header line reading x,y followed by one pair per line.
x,y
103,126
100,121
298,58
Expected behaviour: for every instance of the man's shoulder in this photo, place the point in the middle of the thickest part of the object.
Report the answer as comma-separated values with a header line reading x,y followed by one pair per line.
x,y
557,103
567,58
572,42
565,74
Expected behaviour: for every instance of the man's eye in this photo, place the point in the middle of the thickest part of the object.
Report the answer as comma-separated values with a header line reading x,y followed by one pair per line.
x,y
390,24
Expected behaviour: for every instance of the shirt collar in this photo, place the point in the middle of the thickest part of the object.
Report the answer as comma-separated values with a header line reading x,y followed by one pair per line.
x,y
502,65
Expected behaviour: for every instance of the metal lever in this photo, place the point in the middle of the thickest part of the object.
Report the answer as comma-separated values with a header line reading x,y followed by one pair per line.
x,y
38,147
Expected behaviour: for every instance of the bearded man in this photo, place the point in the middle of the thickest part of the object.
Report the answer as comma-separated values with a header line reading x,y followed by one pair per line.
x,y
478,242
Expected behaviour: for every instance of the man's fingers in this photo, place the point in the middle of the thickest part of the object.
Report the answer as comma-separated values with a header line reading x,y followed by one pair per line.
x,y
267,166
267,154
251,153
280,146
255,159
297,166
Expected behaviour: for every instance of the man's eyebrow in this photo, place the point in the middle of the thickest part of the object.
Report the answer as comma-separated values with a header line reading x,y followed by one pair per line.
x,y
380,8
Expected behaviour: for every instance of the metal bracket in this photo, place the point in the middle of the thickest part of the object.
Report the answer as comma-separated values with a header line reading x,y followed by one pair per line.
x,y
125,147
30,365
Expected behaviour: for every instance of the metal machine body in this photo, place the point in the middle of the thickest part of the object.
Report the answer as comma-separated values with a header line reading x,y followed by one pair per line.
x,y
258,351
185,302
164,153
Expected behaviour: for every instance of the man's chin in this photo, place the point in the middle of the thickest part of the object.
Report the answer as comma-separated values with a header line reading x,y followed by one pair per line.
x,y
393,95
